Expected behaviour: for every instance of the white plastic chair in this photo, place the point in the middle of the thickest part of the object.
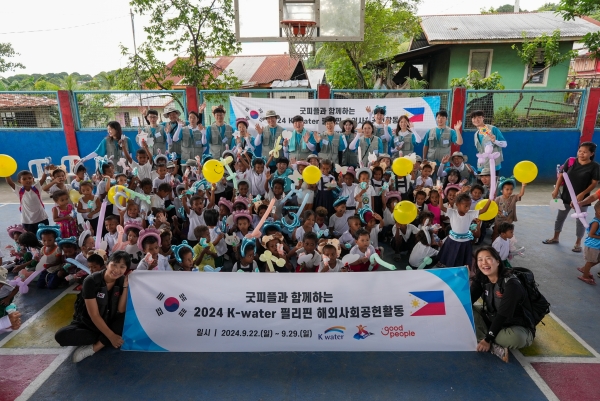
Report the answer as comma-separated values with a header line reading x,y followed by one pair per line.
x,y
71,159
39,167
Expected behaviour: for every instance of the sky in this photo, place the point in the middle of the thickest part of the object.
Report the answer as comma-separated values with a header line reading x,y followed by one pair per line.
x,y
84,36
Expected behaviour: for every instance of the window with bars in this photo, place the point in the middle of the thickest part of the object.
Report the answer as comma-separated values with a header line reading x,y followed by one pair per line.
x,y
481,61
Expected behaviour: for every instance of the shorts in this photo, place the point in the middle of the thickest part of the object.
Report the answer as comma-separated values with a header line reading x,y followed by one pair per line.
x,y
591,255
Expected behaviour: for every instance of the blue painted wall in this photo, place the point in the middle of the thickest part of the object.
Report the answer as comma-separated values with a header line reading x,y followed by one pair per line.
x,y
24,146
596,137
545,148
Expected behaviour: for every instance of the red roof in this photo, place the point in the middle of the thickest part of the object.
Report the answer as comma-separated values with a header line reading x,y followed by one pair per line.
x,y
9,100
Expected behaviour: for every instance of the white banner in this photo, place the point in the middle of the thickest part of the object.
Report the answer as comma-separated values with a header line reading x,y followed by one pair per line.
x,y
420,110
424,310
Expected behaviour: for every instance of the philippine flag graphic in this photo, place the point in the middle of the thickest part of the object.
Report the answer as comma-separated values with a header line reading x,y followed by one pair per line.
x,y
418,113
429,303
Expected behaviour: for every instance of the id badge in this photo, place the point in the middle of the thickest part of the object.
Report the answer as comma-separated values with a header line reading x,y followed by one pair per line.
x,y
445,142
198,143
157,135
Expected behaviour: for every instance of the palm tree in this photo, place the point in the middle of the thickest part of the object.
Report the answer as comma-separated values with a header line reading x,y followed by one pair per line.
x,y
69,83
108,80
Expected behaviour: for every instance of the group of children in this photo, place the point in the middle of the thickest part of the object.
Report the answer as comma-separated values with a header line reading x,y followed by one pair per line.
x,y
163,212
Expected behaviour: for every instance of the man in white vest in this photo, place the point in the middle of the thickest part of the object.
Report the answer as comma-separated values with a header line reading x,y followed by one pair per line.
x,y
487,134
265,140
219,135
437,142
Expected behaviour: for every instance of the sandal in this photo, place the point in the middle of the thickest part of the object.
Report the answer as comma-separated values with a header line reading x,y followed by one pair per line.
x,y
550,241
576,249
580,270
590,280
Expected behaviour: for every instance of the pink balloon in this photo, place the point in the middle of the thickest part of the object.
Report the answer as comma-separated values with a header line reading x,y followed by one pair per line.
x,y
100,222
256,233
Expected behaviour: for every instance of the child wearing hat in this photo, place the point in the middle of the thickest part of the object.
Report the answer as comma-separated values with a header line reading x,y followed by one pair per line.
x,y
338,222
458,162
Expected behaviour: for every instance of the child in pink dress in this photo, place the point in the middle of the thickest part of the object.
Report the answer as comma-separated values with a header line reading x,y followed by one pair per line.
x,y
62,214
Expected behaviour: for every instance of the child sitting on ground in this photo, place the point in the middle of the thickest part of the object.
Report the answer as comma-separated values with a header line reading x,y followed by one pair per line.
x,y
246,262
364,250
502,242
149,241
204,251
422,250
348,238
308,258
330,253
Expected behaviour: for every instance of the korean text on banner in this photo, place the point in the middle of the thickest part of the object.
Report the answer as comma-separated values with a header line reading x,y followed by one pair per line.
x,y
425,310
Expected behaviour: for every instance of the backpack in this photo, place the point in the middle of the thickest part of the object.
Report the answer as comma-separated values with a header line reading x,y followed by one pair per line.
x,y
540,307
559,168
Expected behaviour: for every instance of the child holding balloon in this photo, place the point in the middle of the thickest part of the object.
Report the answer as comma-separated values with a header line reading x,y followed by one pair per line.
x,y
458,248
507,204
31,206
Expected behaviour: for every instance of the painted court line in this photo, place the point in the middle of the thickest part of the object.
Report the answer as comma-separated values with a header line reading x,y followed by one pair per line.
x,y
575,335
36,315
30,351
535,376
37,383
562,359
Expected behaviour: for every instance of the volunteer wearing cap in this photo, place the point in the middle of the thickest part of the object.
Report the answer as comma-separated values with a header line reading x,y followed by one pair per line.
x,y
218,135
348,156
302,143
457,161
330,145
436,143
111,146
267,135
487,134
173,128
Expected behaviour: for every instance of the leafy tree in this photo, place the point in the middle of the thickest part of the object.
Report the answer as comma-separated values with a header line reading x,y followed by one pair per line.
x,y
7,52
570,9
506,8
387,23
474,81
43,85
192,30
548,7
544,47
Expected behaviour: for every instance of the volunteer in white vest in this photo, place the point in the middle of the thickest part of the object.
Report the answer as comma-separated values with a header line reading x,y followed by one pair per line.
x,y
437,142
218,135
265,140
487,134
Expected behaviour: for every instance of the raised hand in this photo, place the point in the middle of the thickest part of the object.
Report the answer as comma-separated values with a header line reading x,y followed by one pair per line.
x,y
457,125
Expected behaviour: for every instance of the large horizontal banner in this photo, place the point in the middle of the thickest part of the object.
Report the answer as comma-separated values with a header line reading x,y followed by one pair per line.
x,y
420,110
424,310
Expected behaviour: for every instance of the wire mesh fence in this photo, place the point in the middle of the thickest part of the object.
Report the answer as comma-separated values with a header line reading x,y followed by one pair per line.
x,y
214,98
598,118
445,96
94,109
29,110
531,109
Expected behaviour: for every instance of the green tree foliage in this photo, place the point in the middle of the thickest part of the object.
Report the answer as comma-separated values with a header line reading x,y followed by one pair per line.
x,y
474,81
548,7
542,48
506,8
387,24
570,9
192,30
7,52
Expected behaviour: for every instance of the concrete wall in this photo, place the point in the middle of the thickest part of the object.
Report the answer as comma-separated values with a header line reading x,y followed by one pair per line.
x,y
506,62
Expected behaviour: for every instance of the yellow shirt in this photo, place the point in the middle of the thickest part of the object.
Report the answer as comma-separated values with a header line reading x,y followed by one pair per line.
x,y
206,259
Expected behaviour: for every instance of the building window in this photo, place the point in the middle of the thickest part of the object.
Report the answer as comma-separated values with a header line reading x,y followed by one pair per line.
x,y
481,60
127,119
538,65
8,119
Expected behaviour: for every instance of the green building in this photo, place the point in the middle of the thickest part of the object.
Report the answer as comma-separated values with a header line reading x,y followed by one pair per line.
x,y
450,46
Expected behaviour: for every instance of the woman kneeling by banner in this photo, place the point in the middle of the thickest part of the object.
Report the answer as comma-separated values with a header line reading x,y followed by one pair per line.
x,y
503,322
99,310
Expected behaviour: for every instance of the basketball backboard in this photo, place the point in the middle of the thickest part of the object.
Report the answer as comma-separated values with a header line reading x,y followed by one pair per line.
x,y
336,20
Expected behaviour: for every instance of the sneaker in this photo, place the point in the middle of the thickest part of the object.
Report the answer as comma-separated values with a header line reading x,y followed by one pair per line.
x,y
500,352
82,352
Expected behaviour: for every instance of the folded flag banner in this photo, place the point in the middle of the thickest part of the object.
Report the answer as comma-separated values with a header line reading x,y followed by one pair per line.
x,y
421,310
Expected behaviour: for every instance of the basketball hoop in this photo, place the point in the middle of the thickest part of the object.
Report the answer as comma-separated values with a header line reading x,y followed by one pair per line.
x,y
300,35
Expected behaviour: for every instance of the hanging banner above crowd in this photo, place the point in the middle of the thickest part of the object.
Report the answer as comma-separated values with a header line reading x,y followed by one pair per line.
x,y
424,310
420,110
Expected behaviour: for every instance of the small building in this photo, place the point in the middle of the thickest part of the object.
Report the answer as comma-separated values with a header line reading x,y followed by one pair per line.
x,y
585,70
450,46
28,111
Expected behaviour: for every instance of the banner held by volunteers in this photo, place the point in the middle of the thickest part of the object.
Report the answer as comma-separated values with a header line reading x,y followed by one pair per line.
x,y
420,110
425,310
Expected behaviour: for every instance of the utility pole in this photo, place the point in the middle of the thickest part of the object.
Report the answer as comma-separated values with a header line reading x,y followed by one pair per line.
x,y
517,6
137,72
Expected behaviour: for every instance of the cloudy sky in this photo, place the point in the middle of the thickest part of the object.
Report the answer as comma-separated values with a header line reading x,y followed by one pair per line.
x,y
73,35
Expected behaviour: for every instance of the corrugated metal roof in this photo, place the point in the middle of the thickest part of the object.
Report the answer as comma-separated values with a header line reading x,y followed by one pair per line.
x,y
19,100
280,67
120,100
244,68
503,27
303,83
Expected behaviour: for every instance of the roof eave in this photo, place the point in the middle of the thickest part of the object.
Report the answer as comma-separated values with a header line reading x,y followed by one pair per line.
x,y
514,40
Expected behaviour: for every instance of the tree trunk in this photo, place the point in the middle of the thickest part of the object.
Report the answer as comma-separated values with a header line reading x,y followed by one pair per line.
x,y
359,74
529,78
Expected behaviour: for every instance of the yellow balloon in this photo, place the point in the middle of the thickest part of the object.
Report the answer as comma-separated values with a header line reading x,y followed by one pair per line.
x,y
402,167
492,211
112,191
311,175
8,166
213,171
525,171
75,196
405,212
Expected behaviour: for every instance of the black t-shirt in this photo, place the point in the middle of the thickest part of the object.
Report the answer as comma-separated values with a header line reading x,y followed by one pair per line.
x,y
94,287
581,176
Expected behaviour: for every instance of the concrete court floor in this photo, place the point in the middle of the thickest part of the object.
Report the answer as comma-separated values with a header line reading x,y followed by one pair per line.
x,y
560,365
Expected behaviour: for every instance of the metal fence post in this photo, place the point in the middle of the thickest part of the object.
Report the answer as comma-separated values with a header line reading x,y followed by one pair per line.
x,y
458,111
66,112
191,94
591,113
323,91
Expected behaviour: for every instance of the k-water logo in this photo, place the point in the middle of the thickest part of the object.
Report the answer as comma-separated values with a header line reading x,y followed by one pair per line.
x,y
333,333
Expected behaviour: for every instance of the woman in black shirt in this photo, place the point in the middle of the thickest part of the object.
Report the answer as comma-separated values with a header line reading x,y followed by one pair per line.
x,y
99,310
504,320
584,174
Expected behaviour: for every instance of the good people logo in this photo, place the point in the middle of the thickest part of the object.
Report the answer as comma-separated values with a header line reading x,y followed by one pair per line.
x,y
397,331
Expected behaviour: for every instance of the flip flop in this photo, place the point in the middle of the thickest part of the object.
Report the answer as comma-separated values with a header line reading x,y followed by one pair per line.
x,y
550,241
576,249
580,270
589,280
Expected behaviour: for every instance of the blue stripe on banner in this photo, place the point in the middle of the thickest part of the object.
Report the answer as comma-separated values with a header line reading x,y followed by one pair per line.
x,y
416,110
457,278
430,296
232,116
134,330
433,102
